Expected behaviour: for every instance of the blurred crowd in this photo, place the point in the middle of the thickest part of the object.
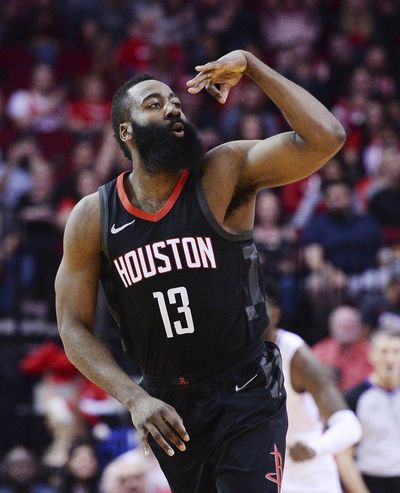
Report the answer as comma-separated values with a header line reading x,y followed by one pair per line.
x,y
331,241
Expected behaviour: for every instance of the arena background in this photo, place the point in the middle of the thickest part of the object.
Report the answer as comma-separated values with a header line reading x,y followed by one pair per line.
x,y
60,63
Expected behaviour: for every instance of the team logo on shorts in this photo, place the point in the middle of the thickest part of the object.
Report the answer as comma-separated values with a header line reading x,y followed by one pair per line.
x,y
276,477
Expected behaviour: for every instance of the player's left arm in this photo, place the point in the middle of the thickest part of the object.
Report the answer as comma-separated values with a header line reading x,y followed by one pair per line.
x,y
316,134
343,428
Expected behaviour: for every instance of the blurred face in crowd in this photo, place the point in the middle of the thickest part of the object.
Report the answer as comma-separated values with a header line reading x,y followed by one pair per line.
x,y
21,466
361,82
83,155
43,78
133,480
42,182
332,170
268,208
251,127
376,58
93,89
345,325
252,98
87,182
390,166
83,463
392,291
385,359
163,137
338,200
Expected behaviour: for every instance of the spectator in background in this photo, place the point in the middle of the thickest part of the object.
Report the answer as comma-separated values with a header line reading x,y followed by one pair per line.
x,y
384,204
41,107
379,176
345,351
303,199
86,181
382,308
376,402
347,241
39,241
289,24
21,471
15,172
251,102
91,111
82,470
337,244
133,472
278,249
357,21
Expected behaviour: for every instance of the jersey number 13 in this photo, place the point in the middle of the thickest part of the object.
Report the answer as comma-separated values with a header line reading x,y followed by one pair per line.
x,y
175,296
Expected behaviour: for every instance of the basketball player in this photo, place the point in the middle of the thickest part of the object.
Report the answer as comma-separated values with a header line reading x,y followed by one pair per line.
x,y
172,243
313,401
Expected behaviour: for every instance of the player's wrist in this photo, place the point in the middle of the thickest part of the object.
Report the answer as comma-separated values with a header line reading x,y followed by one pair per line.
x,y
248,57
134,397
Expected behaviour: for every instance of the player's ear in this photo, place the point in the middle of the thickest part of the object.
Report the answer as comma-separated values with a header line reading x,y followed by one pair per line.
x,y
125,131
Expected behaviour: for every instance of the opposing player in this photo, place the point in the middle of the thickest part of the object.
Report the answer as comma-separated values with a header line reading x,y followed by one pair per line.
x,y
172,244
313,402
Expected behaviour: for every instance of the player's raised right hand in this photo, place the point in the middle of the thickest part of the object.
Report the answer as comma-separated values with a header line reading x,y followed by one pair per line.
x,y
154,417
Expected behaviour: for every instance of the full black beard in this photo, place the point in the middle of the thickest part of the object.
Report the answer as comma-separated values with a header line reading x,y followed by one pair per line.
x,y
161,150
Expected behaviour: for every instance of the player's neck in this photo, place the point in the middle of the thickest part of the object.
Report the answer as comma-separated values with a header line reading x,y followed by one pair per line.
x,y
148,191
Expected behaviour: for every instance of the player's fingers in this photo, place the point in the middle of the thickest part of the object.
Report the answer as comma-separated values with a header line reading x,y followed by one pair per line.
x,y
146,447
224,90
213,91
170,434
208,66
196,80
197,88
143,440
175,422
157,436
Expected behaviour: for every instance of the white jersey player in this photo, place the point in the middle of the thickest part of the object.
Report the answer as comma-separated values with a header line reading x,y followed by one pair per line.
x,y
320,423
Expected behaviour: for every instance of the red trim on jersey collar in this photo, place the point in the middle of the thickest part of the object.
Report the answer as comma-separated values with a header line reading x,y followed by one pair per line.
x,y
151,216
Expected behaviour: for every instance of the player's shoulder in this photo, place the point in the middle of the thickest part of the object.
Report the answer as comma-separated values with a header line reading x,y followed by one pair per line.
x,y
223,165
84,220
87,208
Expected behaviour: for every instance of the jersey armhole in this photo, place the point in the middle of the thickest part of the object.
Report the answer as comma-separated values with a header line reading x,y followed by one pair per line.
x,y
210,218
104,220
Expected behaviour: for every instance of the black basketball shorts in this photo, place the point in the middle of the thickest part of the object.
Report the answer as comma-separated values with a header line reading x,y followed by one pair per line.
x,y
237,425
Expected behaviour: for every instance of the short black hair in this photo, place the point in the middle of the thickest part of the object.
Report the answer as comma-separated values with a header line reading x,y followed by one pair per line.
x,y
120,108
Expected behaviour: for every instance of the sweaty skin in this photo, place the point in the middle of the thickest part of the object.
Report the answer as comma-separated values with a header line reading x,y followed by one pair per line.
x,y
232,173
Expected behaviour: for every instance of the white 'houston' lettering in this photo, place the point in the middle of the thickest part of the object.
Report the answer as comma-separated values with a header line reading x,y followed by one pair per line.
x,y
122,271
136,275
152,268
147,260
191,253
206,252
174,243
160,256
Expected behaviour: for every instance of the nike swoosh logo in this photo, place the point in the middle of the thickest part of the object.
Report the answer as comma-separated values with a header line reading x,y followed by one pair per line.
x,y
241,387
115,230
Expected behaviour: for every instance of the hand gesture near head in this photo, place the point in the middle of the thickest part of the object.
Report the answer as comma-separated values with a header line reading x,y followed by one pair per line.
x,y
225,72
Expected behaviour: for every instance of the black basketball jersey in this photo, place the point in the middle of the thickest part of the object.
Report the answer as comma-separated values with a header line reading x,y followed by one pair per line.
x,y
187,295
